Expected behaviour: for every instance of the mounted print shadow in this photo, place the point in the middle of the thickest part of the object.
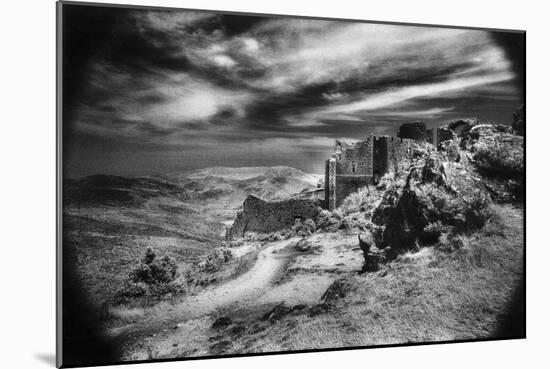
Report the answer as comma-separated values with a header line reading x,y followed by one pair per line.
x,y
236,184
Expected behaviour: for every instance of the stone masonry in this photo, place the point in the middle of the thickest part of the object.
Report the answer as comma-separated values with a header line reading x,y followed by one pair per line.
x,y
361,164
413,131
263,216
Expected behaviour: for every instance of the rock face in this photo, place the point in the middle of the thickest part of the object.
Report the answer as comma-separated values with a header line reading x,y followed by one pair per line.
x,y
263,216
457,129
436,196
444,134
373,256
449,191
462,126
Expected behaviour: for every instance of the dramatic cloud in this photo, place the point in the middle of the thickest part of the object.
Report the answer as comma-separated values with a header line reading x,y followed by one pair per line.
x,y
214,88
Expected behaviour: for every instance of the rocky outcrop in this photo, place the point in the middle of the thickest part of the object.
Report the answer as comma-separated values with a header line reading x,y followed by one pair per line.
x,y
462,126
436,196
449,191
498,154
372,255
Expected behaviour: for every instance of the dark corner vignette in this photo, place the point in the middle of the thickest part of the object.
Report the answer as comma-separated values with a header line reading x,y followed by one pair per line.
x,y
236,184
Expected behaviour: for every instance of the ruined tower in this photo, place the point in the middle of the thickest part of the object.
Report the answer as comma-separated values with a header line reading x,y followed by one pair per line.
x,y
360,164
413,131
349,168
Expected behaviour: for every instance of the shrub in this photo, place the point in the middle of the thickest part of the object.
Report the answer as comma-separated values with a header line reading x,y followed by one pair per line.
x,y
385,181
152,278
153,270
132,289
304,228
309,223
364,200
476,211
328,221
356,201
499,154
214,260
275,236
355,221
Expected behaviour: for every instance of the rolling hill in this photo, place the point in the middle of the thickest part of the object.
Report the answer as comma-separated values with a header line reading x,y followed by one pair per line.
x,y
110,220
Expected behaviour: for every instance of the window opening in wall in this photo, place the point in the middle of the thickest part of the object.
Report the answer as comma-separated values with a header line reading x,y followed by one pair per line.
x,y
353,166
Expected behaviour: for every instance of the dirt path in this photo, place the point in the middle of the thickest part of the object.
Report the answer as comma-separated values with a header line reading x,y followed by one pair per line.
x,y
185,325
243,289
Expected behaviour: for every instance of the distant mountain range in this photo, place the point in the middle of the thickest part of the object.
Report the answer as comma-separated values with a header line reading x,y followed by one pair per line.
x,y
215,194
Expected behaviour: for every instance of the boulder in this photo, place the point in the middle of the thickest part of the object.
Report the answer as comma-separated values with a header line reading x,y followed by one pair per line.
x,y
303,245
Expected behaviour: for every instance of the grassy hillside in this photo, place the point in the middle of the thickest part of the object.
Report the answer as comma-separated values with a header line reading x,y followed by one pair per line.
x,y
427,296
109,221
447,230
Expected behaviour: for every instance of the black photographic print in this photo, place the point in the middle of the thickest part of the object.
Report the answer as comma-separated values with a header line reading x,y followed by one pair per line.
x,y
234,184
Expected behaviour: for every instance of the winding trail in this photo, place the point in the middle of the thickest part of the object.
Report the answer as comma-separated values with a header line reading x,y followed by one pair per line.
x,y
243,290
246,288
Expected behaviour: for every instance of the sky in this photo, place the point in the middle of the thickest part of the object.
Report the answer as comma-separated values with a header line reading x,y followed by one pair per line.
x,y
147,92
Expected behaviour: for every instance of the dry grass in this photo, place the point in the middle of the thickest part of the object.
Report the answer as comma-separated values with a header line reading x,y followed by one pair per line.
x,y
125,314
432,295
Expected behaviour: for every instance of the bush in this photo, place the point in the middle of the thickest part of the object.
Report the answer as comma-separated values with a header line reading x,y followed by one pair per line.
x,y
354,221
385,181
214,260
309,223
152,278
476,211
499,155
133,289
364,200
356,202
304,228
153,270
328,221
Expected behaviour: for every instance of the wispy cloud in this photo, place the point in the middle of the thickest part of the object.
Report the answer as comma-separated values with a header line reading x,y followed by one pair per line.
x,y
393,97
200,78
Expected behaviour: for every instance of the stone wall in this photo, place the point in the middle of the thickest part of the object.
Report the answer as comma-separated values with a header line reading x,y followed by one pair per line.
x,y
265,216
316,194
355,159
349,168
381,157
330,184
390,154
353,166
413,131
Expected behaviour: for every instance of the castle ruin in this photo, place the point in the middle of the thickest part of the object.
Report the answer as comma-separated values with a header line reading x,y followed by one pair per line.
x,y
263,216
353,166
350,167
